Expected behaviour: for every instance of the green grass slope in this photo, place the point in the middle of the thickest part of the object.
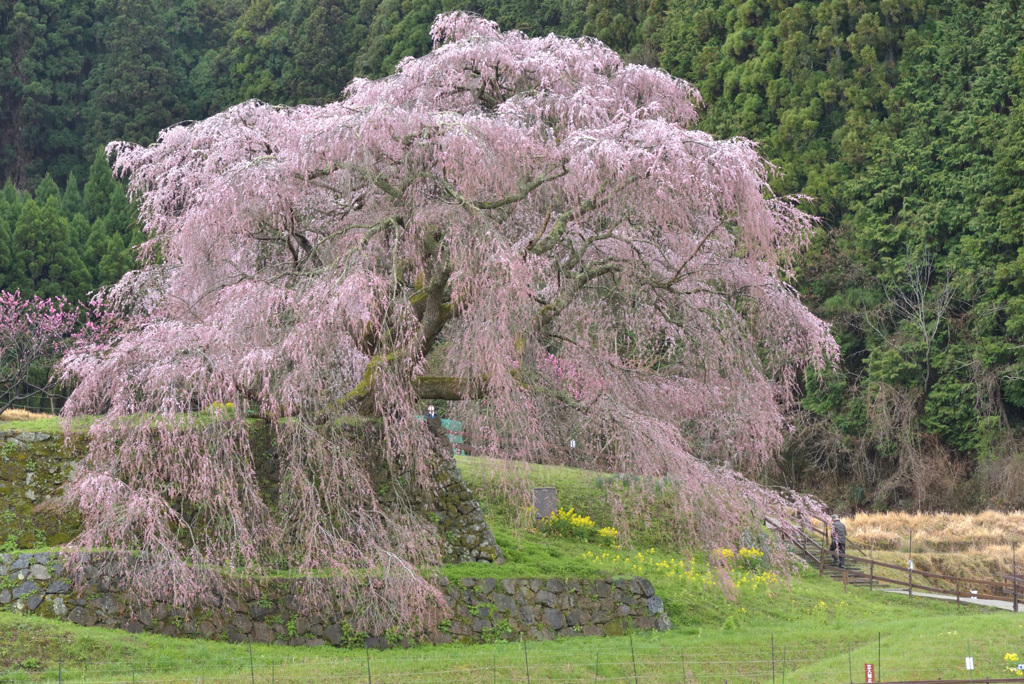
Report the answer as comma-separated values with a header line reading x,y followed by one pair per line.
x,y
820,633
503,493
51,425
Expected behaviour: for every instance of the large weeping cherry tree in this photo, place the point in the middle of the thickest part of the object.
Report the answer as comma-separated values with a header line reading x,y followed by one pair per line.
x,y
526,227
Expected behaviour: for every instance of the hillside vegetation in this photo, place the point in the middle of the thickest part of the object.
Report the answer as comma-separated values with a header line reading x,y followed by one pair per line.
x,y
817,628
901,119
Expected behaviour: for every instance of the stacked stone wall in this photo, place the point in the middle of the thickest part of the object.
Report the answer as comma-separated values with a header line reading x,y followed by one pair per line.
x,y
482,610
35,465
33,469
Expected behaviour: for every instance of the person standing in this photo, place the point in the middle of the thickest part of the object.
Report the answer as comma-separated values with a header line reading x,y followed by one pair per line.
x,y
838,545
434,423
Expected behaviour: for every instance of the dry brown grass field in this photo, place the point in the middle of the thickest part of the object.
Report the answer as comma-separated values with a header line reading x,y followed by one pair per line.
x,y
966,545
22,414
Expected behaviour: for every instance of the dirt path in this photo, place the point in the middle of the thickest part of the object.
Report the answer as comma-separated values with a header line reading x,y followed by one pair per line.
x,y
991,603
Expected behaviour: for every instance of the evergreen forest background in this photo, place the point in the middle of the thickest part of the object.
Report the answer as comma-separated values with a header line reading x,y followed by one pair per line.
x,y
902,118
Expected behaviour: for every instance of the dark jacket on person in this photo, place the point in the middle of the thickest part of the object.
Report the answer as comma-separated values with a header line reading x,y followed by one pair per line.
x,y
840,531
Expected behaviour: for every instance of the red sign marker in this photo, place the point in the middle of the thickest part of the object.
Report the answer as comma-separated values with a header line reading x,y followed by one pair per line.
x,y
869,673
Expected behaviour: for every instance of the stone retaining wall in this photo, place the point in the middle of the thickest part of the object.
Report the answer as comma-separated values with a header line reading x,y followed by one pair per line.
x,y
33,468
35,465
482,610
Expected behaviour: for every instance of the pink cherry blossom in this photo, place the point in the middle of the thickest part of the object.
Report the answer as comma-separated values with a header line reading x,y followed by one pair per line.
x,y
528,228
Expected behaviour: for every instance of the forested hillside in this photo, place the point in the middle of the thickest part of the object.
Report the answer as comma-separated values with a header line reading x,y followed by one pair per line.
x,y
75,74
902,120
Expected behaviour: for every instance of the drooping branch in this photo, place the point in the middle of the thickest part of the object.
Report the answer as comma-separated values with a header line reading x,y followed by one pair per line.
x,y
544,242
436,387
589,273
425,387
526,189
432,304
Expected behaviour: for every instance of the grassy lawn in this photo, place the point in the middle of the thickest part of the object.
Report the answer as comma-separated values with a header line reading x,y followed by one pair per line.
x,y
819,630
50,424
502,490
820,633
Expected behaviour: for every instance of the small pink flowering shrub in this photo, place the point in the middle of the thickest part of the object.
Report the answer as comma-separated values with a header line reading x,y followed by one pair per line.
x,y
34,332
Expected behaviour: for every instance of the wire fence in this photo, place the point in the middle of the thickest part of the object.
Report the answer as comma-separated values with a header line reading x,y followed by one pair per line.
x,y
53,406
530,662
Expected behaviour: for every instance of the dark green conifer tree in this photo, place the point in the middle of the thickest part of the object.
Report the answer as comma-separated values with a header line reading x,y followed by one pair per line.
x,y
258,51
120,217
45,52
328,35
98,188
12,202
46,189
71,200
79,231
44,262
5,247
95,249
117,261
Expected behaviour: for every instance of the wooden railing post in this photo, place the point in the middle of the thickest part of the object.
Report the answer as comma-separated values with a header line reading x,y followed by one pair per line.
x,y
1014,550
821,557
910,566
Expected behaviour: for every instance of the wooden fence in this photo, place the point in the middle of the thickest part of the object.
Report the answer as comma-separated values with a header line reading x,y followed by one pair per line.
x,y
862,569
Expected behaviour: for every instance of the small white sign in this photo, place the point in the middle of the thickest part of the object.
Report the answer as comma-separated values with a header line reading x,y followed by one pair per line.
x,y
572,443
970,662
910,565
1020,666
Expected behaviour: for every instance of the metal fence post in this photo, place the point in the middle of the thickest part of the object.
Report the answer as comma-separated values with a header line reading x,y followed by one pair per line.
x,y
526,658
632,653
369,675
878,674
773,657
